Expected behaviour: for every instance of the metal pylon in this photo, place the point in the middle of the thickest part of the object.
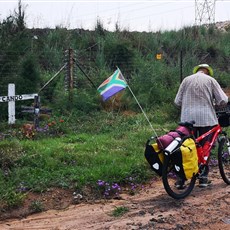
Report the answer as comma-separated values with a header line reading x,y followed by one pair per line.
x,y
204,12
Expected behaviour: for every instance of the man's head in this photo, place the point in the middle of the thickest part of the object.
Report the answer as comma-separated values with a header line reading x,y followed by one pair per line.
x,y
205,68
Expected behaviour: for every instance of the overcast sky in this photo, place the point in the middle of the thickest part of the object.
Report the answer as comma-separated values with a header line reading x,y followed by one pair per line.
x,y
139,15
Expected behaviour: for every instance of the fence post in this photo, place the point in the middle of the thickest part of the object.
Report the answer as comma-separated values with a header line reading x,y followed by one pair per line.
x,y
69,78
181,66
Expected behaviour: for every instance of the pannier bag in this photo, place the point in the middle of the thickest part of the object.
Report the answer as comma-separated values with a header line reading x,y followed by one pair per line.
x,y
223,115
155,157
224,119
165,140
185,159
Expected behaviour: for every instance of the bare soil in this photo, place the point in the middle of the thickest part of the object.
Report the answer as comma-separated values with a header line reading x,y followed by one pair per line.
x,y
149,208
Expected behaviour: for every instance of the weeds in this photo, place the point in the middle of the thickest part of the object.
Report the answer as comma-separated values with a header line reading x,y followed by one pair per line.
x,y
10,151
11,199
120,211
36,206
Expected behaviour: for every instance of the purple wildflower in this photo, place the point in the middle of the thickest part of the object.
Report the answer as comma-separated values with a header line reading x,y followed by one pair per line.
x,y
100,182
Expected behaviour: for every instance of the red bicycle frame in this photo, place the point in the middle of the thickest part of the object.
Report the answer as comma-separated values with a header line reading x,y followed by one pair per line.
x,y
204,152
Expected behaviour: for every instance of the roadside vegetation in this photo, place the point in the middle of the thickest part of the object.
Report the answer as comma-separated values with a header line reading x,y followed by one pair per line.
x,y
104,152
86,143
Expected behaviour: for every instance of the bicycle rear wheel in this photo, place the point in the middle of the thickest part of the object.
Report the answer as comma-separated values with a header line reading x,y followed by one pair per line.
x,y
224,159
169,179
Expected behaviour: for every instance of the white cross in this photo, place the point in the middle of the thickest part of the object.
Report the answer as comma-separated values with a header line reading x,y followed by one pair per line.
x,y
11,98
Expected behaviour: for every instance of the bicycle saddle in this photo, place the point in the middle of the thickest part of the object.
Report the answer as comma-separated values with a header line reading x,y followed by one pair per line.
x,y
187,124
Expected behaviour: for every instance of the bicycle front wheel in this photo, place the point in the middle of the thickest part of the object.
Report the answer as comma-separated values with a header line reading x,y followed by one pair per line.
x,y
224,159
170,179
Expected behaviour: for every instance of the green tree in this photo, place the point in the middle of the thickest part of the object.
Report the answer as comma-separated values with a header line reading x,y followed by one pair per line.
x,y
29,77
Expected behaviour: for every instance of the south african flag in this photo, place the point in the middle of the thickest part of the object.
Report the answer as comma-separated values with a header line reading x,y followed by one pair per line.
x,y
112,85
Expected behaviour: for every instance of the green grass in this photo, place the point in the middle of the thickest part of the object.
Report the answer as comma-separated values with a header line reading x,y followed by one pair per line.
x,y
105,147
120,211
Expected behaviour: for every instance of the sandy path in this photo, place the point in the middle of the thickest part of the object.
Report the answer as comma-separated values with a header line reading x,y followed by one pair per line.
x,y
151,208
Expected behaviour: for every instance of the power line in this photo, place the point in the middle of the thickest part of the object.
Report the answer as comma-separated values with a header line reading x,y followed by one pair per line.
x,y
121,8
131,11
163,12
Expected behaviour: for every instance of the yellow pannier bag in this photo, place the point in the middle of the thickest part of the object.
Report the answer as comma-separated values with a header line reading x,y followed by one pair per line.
x,y
185,159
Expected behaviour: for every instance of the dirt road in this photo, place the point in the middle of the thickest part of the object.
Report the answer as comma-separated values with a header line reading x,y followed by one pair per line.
x,y
151,208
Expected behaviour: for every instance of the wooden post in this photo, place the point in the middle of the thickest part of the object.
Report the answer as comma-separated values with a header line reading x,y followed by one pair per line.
x,y
71,76
181,66
36,111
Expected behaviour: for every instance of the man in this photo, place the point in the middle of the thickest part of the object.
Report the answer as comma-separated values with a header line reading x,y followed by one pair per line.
x,y
197,96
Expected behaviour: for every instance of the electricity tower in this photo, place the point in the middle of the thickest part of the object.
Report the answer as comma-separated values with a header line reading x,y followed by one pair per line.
x,y
204,12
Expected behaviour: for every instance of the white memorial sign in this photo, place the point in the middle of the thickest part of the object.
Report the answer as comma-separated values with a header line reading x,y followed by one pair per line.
x,y
12,98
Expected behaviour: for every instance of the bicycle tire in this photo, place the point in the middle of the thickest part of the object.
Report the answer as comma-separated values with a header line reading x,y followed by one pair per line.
x,y
169,179
224,159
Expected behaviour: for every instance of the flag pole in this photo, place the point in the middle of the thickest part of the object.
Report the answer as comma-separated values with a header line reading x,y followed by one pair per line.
x,y
142,110
139,105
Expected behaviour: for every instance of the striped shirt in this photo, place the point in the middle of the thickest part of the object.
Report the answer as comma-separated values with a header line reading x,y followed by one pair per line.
x,y
196,97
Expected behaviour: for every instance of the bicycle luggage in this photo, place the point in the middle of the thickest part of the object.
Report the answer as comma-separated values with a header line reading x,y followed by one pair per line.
x,y
155,157
165,140
185,159
223,115
224,120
